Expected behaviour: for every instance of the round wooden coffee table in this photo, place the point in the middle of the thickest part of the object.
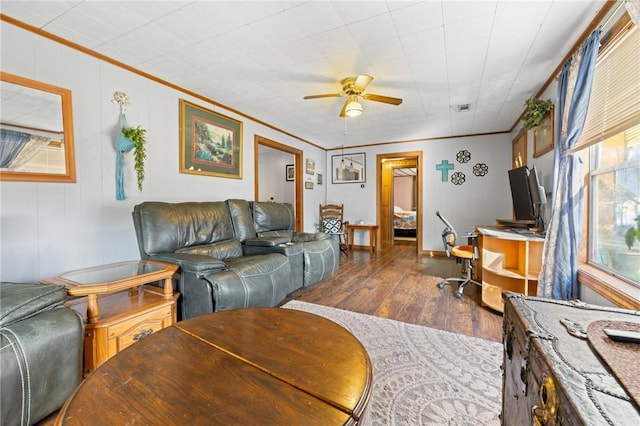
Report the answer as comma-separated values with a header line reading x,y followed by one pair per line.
x,y
246,366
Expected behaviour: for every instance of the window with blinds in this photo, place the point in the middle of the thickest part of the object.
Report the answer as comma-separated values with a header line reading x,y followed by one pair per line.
x,y
612,131
615,98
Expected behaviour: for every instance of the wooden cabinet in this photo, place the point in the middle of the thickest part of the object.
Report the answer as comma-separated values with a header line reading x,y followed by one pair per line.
x,y
510,262
124,319
119,305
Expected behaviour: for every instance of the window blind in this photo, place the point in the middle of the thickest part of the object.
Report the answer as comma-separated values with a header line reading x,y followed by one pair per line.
x,y
615,95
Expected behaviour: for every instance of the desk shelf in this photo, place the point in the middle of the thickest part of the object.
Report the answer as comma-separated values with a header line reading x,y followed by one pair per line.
x,y
510,262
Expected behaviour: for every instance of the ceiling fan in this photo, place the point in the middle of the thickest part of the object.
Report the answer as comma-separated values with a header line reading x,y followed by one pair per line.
x,y
353,87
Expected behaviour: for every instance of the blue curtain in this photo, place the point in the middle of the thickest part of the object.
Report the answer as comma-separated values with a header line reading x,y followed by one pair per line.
x,y
11,143
559,274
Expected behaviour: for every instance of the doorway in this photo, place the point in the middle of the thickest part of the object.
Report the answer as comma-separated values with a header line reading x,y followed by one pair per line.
x,y
261,142
386,165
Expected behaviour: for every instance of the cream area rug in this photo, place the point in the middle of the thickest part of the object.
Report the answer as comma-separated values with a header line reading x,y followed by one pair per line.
x,y
423,376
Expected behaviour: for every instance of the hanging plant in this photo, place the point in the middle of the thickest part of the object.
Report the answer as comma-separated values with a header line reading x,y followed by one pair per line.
x,y
536,111
137,136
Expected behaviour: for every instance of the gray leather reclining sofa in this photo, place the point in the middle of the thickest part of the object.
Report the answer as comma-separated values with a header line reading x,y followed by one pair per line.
x,y
41,346
274,228
225,263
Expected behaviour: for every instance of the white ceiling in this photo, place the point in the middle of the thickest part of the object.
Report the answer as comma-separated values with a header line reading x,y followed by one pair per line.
x,y
262,57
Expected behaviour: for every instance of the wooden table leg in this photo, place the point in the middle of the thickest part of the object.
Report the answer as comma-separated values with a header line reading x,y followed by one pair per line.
x,y
167,288
371,242
93,312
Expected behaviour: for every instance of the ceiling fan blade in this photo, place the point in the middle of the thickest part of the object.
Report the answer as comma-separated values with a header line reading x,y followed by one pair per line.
x,y
344,108
380,98
361,83
326,95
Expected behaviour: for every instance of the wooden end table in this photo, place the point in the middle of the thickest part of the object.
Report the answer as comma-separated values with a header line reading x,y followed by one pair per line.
x,y
116,318
373,235
245,366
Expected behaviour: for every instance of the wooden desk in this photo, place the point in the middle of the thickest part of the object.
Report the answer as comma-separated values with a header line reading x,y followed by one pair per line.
x,y
245,366
373,235
116,318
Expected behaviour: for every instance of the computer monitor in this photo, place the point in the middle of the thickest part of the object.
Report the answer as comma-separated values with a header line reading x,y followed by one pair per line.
x,y
538,198
535,189
521,194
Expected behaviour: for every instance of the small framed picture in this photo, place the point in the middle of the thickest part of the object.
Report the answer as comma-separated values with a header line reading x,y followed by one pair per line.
x,y
543,136
308,184
310,166
290,172
319,182
519,150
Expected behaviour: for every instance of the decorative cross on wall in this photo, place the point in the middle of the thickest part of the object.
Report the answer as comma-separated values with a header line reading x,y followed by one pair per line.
x,y
444,168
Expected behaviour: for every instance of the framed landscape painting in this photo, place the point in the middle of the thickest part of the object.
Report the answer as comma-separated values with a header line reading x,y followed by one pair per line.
x,y
348,168
210,143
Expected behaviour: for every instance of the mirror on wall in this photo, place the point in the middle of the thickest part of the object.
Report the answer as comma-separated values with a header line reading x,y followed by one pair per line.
x,y
36,131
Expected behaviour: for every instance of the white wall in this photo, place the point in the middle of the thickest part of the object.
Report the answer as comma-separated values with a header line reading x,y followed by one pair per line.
x,y
272,183
403,192
49,228
479,201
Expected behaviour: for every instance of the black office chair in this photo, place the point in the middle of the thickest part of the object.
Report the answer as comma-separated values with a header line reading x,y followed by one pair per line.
x,y
465,255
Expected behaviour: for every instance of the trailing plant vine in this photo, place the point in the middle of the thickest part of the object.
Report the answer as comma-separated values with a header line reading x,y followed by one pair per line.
x,y
137,136
536,111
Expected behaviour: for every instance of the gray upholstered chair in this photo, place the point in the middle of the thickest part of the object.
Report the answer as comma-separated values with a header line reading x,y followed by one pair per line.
x,y
41,347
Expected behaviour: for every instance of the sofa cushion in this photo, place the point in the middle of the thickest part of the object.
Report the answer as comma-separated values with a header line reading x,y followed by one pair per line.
x,y
250,281
273,216
331,226
167,227
222,250
242,219
23,300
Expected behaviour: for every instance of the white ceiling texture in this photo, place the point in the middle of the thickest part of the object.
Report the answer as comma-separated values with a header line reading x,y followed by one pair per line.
x,y
262,57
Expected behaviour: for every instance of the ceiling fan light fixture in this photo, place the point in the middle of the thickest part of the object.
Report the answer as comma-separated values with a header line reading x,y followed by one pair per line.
x,y
353,108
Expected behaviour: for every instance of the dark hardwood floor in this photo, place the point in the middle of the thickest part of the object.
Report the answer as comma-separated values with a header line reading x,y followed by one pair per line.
x,y
398,284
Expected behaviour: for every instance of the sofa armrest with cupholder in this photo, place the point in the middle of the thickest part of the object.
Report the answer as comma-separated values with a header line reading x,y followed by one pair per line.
x,y
272,228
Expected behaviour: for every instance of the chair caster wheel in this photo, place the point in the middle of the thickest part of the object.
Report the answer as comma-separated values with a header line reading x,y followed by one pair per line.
x,y
459,295
441,284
